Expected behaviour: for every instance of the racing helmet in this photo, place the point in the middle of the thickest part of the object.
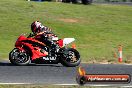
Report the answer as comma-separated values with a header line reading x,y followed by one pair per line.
x,y
36,27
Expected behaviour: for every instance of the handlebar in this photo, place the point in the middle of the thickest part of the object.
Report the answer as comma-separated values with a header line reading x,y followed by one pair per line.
x,y
31,35
46,34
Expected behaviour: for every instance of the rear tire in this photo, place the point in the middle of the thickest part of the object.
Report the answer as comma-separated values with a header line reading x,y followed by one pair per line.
x,y
19,58
64,59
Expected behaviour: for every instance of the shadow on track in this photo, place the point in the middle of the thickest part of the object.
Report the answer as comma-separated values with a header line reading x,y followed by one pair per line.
x,y
52,65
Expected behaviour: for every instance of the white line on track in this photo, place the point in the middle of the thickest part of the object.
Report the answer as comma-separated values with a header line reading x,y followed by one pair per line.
x,y
67,85
126,86
78,84
14,83
94,85
99,85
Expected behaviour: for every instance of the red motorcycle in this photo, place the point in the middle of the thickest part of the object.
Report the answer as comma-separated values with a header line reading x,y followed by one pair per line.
x,y
29,50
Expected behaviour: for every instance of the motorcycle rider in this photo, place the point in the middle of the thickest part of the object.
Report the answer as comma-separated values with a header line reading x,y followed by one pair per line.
x,y
43,34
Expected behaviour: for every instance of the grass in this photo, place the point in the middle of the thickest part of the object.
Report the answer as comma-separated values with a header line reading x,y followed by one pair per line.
x,y
98,29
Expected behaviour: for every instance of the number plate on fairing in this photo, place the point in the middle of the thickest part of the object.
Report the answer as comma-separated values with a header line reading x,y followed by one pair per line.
x,y
49,58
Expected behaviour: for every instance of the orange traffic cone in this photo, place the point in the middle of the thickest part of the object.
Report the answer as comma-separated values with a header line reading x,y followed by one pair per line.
x,y
120,53
74,46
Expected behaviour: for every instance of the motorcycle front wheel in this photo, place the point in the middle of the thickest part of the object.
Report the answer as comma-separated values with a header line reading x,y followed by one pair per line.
x,y
70,58
17,57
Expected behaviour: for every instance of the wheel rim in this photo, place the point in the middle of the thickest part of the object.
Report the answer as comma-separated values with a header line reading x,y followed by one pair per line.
x,y
71,57
19,57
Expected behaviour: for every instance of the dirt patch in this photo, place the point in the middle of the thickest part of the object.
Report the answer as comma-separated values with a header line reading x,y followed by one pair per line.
x,y
69,20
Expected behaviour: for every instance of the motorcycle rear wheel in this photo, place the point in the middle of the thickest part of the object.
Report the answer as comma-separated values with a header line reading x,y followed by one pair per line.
x,y
70,58
17,57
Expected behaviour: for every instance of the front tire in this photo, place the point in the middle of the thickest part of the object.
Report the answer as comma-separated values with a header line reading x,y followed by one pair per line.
x,y
68,57
17,57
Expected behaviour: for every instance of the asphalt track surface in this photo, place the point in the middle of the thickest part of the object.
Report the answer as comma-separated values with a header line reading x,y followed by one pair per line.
x,y
56,73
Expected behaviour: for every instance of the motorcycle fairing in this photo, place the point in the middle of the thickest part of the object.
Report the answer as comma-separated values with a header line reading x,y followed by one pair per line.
x,y
32,45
